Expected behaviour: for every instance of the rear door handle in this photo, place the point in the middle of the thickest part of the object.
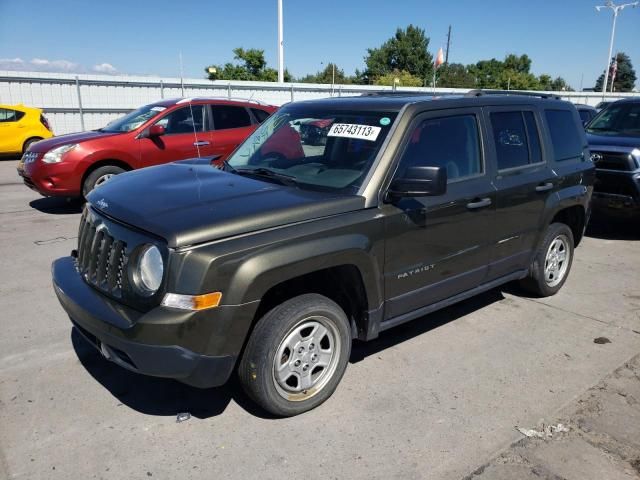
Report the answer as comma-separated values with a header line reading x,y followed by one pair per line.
x,y
484,202
201,143
544,187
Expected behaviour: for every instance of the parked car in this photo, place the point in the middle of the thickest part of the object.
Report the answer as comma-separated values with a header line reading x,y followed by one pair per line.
x,y
614,140
20,127
604,104
586,112
73,165
273,266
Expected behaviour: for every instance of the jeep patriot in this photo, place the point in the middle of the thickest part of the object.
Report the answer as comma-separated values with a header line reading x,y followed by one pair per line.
x,y
271,265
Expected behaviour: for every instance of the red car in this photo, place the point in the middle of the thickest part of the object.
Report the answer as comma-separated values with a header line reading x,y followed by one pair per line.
x,y
72,165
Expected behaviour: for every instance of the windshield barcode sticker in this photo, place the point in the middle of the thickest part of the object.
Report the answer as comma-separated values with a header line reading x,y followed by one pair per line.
x,y
352,130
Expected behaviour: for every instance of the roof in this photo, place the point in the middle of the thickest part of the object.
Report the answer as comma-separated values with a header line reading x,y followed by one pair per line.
x,y
395,101
219,100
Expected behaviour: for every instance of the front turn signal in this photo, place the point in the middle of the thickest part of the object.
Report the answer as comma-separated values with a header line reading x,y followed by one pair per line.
x,y
192,302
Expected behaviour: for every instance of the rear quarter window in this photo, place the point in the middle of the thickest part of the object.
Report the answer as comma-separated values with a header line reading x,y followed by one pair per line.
x,y
565,134
260,115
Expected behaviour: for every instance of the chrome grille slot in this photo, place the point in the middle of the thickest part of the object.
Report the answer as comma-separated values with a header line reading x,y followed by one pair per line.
x,y
101,259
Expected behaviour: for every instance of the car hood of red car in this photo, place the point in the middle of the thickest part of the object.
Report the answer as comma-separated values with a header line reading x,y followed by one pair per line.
x,y
188,203
45,145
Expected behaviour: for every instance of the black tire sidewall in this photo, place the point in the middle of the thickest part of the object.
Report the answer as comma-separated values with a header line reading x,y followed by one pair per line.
x,y
89,182
255,369
28,143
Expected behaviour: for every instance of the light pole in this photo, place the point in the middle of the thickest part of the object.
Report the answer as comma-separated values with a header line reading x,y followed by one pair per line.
x,y
616,9
333,76
280,45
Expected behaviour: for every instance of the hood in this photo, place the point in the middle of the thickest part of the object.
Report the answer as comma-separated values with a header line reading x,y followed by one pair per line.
x,y
190,203
613,142
45,145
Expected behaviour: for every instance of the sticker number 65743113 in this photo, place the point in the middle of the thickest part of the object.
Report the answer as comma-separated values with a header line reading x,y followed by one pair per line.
x,y
352,130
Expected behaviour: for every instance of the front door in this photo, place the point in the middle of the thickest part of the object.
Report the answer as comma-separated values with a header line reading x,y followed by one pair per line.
x,y
184,134
437,247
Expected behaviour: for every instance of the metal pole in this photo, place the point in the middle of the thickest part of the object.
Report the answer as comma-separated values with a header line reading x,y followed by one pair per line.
x,y
292,92
333,79
613,34
80,103
280,44
616,9
181,77
161,89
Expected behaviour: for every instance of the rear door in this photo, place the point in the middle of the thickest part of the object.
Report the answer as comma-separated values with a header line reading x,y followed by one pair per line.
x,y
184,132
230,125
439,246
524,180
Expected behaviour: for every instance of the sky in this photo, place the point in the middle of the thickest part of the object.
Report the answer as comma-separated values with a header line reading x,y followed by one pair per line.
x,y
565,38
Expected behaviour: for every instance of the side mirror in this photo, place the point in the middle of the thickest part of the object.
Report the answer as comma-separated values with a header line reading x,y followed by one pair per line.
x,y
419,182
156,131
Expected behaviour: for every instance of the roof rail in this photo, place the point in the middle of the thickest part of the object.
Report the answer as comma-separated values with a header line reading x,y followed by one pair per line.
x,y
481,93
237,99
399,93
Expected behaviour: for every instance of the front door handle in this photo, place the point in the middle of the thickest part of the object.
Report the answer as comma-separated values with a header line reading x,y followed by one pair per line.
x,y
544,187
201,143
484,202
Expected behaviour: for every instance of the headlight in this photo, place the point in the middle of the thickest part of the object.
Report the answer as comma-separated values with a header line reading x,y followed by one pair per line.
x,y
148,271
55,154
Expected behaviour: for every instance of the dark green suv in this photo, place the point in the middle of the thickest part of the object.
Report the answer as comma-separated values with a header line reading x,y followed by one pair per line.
x,y
273,264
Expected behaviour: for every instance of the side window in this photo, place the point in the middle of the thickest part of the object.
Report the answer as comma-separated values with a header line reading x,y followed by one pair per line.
x,y
516,138
260,115
225,116
565,136
450,142
188,119
8,115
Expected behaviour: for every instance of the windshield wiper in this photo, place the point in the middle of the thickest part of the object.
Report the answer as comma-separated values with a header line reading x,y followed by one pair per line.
x,y
228,167
267,173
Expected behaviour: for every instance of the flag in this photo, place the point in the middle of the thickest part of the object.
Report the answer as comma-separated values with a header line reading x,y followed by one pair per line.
x,y
439,59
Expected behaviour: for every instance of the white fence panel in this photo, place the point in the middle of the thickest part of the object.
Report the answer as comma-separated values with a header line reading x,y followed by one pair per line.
x,y
106,97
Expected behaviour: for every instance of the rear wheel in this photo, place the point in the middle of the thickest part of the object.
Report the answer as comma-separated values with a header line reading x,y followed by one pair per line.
x,y
552,262
99,176
296,355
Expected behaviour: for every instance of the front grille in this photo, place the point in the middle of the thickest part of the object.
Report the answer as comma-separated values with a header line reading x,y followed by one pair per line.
x,y
29,157
102,259
613,161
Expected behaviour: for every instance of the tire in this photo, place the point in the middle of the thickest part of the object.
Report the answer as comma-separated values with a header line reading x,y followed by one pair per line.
x,y
26,145
99,176
550,270
290,364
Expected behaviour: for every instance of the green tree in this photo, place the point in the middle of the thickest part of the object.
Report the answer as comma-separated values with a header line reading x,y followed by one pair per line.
x,y
455,75
407,51
625,80
326,76
251,66
405,79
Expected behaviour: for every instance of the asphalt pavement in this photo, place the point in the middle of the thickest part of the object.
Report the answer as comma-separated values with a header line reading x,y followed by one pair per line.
x,y
439,398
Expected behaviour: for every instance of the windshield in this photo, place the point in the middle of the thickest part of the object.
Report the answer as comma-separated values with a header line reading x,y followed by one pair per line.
x,y
620,119
133,120
321,149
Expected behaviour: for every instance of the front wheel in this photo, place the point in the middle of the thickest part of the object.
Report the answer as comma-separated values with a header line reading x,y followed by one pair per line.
x,y
552,262
99,176
296,355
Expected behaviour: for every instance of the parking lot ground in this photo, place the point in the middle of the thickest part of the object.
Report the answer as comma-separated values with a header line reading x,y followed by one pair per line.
x,y
438,398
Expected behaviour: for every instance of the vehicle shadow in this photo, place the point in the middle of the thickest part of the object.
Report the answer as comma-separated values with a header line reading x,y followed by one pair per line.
x,y
166,397
57,205
606,227
361,350
159,396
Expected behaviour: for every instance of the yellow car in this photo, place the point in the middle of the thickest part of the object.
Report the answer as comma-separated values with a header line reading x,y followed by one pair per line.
x,y
20,126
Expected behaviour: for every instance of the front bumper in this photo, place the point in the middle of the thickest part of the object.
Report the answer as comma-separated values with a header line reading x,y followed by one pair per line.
x,y
51,180
157,342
